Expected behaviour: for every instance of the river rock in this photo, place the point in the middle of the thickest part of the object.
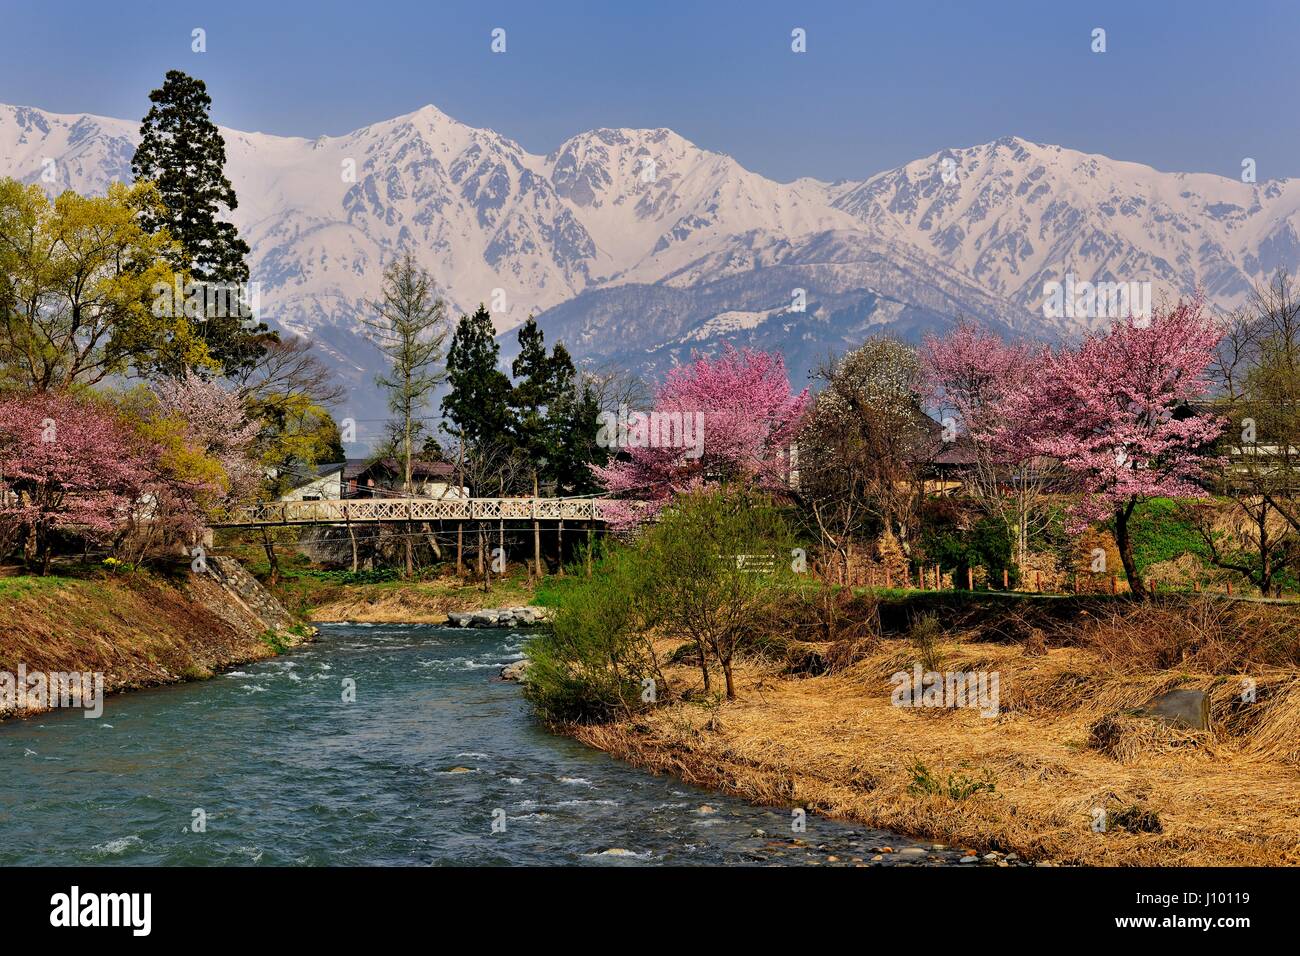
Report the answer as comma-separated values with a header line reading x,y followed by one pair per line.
x,y
499,617
515,671
1189,709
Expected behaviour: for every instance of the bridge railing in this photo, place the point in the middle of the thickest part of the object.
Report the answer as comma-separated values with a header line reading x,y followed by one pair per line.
x,y
364,510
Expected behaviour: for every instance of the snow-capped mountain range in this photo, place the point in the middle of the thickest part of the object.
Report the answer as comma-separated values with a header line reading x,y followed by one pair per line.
x,y
636,246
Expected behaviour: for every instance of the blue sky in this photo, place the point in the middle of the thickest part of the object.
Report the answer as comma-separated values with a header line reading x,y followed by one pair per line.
x,y
1190,86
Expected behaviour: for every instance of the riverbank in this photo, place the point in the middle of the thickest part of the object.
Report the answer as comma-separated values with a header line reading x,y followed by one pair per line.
x,y
140,628
325,596
1062,772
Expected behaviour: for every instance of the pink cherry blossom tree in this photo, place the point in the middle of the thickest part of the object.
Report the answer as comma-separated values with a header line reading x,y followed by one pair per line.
x,y
734,418
217,425
1116,411
972,377
66,465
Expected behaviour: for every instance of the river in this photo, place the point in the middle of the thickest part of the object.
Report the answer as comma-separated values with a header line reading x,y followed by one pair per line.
x,y
268,764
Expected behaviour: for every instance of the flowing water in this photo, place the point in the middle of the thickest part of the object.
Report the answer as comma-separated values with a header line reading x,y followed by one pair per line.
x,y
267,764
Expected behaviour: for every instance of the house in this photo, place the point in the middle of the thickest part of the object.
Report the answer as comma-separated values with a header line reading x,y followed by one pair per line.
x,y
318,483
383,478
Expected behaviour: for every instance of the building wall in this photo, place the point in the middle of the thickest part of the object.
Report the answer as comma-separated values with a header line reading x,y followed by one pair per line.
x,y
328,486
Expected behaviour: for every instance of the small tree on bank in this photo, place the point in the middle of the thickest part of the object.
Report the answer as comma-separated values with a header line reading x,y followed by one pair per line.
x,y
716,563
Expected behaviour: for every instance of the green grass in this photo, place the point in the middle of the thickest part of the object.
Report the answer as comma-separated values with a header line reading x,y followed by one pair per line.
x,y
956,787
275,641
551,591
23,585
1159,534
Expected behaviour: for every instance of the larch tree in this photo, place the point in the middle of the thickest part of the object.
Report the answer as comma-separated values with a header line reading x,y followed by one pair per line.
x,y
410,328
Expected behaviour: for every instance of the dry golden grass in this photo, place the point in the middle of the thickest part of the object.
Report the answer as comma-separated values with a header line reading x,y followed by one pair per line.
x,y
139,630
1061,747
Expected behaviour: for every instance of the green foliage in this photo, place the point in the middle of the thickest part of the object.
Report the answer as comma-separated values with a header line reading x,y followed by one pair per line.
x,y
78,282
275,640
985,544
1160,532
181,150
956,787
592,664
720,562
373,576
23,585
478,402
296,434
555,417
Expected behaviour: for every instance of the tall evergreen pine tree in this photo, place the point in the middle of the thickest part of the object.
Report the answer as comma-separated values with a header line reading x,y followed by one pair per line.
x,y
182,151
478,404
533,394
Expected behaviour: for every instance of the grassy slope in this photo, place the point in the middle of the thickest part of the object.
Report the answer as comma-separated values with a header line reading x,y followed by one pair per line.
x,y
139,629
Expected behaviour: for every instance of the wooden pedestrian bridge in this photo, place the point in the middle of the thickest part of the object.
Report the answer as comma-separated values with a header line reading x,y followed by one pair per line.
x,y
348,511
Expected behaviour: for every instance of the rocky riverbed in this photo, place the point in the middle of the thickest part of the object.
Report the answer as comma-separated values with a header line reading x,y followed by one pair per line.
x,y
505,617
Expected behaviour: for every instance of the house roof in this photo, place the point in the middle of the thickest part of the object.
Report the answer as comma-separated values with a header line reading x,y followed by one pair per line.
x,y
392,468
326,468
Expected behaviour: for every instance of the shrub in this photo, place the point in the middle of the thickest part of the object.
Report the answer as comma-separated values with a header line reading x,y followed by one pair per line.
x,y
956,787
956,545
593,663
925,635
717,566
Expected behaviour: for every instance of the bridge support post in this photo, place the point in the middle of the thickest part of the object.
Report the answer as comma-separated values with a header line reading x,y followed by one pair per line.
x,y
352,535
559,546
460,549
537,532
590,531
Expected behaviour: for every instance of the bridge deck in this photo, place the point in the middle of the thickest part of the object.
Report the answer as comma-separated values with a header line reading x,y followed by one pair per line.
x,y
369,510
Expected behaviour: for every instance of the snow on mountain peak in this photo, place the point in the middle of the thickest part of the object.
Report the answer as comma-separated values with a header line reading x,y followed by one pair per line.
x,y
612,213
